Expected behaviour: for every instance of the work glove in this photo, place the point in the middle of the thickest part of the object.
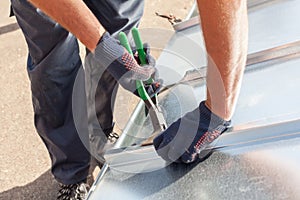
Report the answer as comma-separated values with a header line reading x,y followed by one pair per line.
x,y
151,88
149,59
189,135
122,66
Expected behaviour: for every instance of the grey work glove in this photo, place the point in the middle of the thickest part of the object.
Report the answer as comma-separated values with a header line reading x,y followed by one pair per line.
x,y
149,59
189,135
154,87
122,66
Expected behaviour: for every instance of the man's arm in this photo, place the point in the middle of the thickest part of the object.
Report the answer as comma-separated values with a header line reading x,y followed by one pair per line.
x,y
225,30
76,17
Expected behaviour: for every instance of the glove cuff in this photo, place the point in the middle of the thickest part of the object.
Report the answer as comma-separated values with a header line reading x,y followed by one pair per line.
x,y
105,35
215,122
108,50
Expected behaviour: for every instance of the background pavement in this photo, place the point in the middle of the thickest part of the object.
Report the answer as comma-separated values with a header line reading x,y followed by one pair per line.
x,y
24,161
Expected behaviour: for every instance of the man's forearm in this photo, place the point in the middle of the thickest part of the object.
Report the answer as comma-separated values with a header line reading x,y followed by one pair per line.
x,y
225,29
74,16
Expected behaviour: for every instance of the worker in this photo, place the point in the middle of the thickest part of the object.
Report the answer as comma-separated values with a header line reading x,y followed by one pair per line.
x,y
225,29
224,26
53,66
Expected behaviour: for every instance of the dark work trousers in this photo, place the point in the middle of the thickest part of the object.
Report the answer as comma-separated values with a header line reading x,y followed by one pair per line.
x,y
53,64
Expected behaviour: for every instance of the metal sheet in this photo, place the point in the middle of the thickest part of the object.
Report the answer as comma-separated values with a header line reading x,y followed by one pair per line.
x,y
271,25
251,172
192,18
136,159
261,172
268,104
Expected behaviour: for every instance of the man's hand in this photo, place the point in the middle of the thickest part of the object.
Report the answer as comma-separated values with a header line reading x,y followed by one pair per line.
x,y
189,135
119,62
123,67
154,87
149,59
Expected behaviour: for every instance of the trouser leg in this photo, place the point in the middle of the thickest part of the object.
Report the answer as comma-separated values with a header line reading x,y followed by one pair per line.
x,y
52,65
115,16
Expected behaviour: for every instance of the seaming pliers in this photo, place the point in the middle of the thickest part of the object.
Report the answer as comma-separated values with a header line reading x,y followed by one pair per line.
x,y
155,111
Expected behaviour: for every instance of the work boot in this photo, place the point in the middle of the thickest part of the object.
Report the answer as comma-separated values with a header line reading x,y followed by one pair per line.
x,y
76,191
112,137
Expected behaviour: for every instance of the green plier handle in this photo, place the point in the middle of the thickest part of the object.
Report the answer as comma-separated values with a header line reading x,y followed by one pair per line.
x,y
158,120
142,56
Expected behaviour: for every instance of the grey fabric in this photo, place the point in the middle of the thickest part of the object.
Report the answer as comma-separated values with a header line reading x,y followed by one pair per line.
x,y
108,50
53,64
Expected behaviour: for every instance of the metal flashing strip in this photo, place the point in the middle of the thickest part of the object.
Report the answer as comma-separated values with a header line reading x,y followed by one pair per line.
x,y
193,21
276,53
258,135
254,61
237,141
187,24
193,10
134,123
257,3
230,140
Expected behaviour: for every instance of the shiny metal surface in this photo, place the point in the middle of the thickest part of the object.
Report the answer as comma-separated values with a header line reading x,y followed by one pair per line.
x,y
192,18
137,159
274,24
192,21
269,27
258,168
276,53
261,172
260,158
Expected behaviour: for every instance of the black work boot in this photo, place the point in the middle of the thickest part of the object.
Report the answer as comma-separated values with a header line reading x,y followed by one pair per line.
x,y
76,191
